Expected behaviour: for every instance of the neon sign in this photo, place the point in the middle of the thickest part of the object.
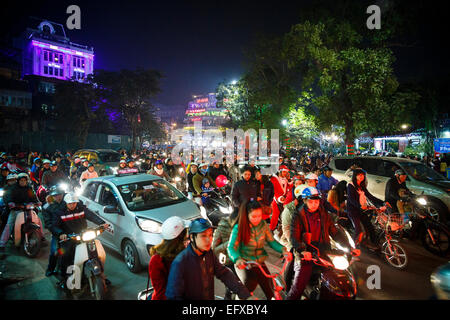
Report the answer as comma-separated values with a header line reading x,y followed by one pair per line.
x,y
202,100
195,111
62,49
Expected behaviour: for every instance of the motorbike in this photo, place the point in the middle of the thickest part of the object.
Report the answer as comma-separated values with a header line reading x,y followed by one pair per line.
x,y
89,259
27,230
434,235
219,206
179,181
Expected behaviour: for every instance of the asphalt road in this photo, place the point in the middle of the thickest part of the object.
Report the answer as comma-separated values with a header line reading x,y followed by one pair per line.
x,y
22,278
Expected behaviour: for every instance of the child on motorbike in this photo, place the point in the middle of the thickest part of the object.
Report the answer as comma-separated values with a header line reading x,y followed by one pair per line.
x,y
206,190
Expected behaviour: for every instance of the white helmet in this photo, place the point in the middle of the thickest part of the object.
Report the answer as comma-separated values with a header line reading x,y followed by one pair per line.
x,y
311,176
11,176
299,189
173,226
70,198
22,175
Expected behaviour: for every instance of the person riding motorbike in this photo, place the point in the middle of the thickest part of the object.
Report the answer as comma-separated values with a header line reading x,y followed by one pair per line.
x,y
193,168
216,170
313,219
393,186
5,173
11,181
170,169
34,171
21,193
281,188
131,165
174,234
159,171
53,176
146,165
197,180
244,190
357,195
192,272
44,169
326,181
71,219
88,174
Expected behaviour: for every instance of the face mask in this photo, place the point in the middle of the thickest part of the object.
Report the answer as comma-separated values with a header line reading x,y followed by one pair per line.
x,y
203,171
159,171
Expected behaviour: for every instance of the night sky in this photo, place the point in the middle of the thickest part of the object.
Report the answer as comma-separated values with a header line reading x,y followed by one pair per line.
x,y
197,44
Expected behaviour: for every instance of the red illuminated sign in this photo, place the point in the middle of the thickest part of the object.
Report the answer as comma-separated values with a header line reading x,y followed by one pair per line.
x,y
202,100
195,111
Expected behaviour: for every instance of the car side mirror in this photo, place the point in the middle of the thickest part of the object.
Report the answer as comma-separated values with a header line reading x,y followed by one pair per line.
x,y
111,209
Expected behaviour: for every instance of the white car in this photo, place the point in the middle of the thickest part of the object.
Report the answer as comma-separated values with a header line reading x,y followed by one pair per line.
x,y
135,206
421,179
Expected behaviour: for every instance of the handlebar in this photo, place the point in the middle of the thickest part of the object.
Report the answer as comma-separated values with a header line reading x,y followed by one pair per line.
x,y
257,264
75,236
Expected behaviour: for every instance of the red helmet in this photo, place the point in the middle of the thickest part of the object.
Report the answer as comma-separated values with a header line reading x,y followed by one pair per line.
x,y
283,168
221,181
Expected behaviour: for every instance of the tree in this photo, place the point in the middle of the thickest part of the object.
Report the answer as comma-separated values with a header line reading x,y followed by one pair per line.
x,y
130,92
77,106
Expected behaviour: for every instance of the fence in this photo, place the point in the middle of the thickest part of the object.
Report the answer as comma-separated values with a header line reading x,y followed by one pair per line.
x,y
51,141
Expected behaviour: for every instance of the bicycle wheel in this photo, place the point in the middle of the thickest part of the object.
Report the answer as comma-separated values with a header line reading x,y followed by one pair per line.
x,y
395,255
436,240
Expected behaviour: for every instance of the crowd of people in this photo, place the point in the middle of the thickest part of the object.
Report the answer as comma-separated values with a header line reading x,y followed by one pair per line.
x,y
275,210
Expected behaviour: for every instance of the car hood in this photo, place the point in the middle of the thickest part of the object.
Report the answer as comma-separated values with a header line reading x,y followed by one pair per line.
x,y
442,184
186,210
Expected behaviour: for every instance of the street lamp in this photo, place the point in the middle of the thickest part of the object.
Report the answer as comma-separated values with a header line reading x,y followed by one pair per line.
x,y
284,122
233,82
404,126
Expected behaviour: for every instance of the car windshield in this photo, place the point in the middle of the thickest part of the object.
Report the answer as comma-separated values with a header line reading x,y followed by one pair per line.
x,y
146,195
109,156
421,172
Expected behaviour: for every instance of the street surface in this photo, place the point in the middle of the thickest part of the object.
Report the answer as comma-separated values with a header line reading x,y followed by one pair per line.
x,y
22,278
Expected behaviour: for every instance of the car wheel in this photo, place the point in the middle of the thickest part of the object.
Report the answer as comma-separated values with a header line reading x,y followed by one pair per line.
x,y
131,256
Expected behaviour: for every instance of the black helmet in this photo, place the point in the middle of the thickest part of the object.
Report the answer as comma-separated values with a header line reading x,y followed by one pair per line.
x,y
199,225
400,172
53,163
130,160
326,168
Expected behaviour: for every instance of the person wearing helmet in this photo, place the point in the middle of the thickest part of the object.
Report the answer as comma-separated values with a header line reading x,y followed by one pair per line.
x,y
21,193
122,166
297,181
174,234
131,165
357,195
311,218
326,181
206,190
281,188
53,176
90,173
11,181
202,173
159,171
146,165
54,204
192,272
5,173
392,193
45,168
193,168
247,241
293,165
72,218
169,167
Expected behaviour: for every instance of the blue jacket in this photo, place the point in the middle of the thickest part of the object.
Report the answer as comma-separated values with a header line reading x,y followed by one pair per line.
x,y
325,184
187,283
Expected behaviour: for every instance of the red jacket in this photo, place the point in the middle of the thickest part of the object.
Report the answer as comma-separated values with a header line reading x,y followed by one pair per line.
x,y
158,270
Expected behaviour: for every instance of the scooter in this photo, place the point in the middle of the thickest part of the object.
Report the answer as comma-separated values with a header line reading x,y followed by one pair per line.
x,y
219,206
28,229
89,259
333,280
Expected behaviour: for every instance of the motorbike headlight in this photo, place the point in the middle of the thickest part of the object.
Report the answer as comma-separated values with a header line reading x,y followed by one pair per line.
x,y
422,201
177,179
64,186
339,262
138,163
203,212
1,193
149,225
225,210
88,235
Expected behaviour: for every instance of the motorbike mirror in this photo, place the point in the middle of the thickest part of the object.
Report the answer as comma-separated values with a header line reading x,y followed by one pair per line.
x,y
110,209
307,236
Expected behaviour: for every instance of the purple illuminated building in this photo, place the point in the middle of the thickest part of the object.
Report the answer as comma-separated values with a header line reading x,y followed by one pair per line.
x,y
47,52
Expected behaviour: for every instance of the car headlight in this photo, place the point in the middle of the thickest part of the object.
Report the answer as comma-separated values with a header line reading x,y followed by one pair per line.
x,y
149,225
1,193
422,201
88,235
339,262
225,210
177,179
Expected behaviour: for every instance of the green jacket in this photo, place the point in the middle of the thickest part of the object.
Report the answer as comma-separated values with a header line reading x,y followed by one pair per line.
x,y
222,237
197,182
254,250
286,219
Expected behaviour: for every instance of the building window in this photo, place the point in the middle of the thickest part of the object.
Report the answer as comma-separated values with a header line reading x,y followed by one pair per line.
x,y
82,63
78,63
45,56
50,71
50,56
61,59
45,70
61,73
